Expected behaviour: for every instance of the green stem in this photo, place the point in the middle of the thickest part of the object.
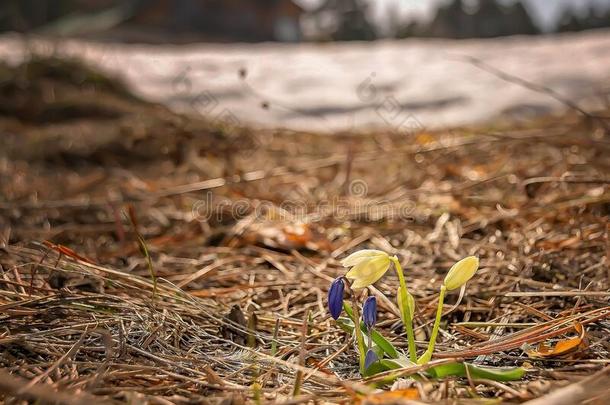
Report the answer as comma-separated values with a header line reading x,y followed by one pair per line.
x,y
359,338
406,314
437,323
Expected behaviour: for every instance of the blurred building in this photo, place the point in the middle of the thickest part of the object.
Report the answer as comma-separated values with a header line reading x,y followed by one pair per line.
x,y
222,20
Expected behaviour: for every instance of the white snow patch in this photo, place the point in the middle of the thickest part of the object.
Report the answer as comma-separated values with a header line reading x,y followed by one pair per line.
x,y
338,86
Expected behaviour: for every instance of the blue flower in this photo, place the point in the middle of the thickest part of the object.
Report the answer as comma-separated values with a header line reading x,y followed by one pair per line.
x,y
370,358
369,312
335,297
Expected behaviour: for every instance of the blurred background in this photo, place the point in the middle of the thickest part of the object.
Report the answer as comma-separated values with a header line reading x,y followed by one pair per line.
x,y
331,65
299,20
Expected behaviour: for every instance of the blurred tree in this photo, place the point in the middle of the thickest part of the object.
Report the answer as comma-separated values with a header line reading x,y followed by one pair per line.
x,y
25,15
593,19
225,20
343,20
519,20
482,19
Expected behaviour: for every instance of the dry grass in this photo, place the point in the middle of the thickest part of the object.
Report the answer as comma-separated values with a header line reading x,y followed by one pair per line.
x,y
239,308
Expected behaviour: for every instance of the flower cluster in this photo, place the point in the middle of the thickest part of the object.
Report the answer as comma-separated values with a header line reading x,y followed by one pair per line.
x,y
365,268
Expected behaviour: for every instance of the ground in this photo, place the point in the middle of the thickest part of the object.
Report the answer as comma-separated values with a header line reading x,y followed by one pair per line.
x,y
148,256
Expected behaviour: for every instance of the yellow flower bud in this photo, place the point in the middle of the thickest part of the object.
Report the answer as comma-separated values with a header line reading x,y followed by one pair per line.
x,y
367,266
461,272
407,301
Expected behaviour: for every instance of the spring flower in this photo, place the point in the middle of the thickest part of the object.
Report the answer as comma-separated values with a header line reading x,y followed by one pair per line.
x,y
457,277
371,357
335,297
369,312
461,272
367,266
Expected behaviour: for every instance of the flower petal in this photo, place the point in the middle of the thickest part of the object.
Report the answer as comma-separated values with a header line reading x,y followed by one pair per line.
x,y
335,298
359,256
370,358
369,312
358,271
368,272
363,282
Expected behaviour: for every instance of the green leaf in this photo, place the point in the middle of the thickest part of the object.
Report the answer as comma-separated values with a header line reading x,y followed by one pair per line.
x,y
450,369
377,337
401,362
383,343
387,364
376,368
346,324
490,373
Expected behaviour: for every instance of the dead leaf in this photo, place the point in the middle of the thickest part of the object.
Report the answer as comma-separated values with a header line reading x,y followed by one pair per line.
x,y
314,363
234,326
389,397
562,347
66,251
285,235
424,138
559,244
